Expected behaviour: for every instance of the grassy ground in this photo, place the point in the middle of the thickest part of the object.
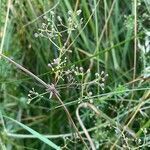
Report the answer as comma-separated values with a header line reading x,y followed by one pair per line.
x,y
86,82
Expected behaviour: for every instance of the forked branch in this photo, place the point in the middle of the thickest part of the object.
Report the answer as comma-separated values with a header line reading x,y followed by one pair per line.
x,y
49,87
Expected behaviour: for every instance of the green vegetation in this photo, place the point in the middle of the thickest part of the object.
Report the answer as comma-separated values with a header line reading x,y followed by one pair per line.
x,y
74,74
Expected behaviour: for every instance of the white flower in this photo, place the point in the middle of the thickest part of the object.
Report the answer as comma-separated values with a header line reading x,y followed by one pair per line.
x,y
36,35
59,18
79,12
69,12
146,47
56,61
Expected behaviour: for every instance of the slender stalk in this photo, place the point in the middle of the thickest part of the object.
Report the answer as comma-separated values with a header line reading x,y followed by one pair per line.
x,y
96,53
5,26
85,105
135,44
70,118
25,70
135,39
30,136
3,147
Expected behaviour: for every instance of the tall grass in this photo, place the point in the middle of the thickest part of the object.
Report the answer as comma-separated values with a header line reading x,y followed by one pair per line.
x,y
89,58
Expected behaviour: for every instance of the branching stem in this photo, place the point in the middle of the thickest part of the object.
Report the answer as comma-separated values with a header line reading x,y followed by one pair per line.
x,y
49,87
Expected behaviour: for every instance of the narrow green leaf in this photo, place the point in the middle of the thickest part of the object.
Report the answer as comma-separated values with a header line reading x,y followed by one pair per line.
x,y
38,135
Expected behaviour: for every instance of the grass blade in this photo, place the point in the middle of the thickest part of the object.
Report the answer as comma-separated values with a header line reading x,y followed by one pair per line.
x,y
38,135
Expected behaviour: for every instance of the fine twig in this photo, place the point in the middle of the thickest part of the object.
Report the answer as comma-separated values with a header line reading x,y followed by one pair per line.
x,y
56,136
85,105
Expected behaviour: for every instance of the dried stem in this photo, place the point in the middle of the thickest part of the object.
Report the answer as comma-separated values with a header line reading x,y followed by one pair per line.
x,y
85,105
